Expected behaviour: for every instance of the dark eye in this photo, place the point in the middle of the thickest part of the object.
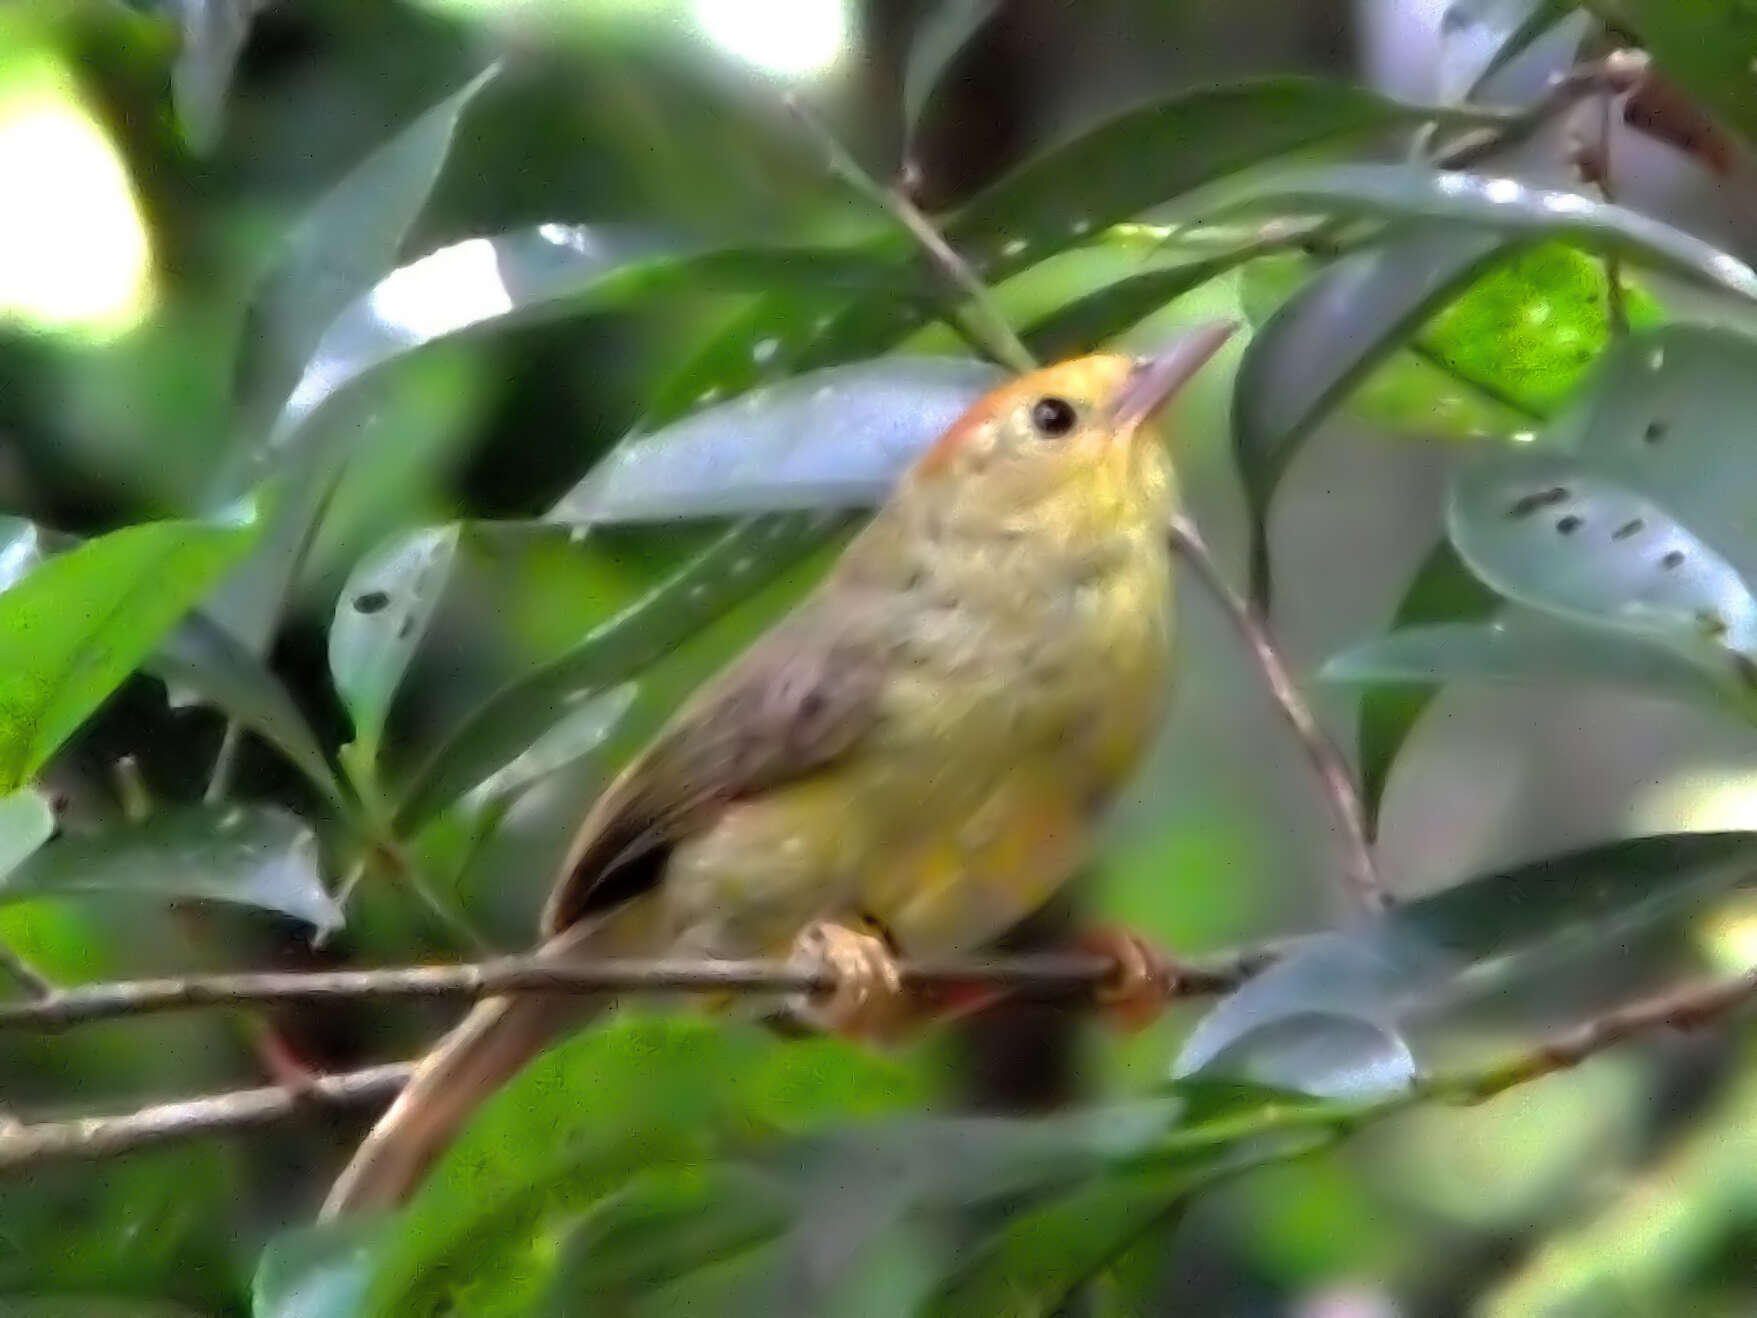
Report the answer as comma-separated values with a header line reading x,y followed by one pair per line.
x,y
1053,416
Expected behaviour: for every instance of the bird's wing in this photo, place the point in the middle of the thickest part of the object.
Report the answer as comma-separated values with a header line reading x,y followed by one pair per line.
x,y
800,699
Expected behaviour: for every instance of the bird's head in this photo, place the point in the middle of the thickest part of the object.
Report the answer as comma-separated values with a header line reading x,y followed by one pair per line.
x,y
1068,446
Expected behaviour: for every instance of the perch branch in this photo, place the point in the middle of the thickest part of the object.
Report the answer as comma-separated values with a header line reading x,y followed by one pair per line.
x,y
1055,974
980,317
1365,888
33,1144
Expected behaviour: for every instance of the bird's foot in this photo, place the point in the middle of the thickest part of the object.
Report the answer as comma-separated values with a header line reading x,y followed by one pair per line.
x,y
868,1000
1135,994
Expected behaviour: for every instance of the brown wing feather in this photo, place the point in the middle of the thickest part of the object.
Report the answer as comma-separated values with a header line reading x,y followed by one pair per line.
x,y
796,701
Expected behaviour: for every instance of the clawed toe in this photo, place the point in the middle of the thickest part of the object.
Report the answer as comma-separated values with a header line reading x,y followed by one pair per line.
x,y
1144,981
868,999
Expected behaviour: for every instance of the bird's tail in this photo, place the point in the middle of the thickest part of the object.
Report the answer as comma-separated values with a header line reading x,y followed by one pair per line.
x,y
489,1047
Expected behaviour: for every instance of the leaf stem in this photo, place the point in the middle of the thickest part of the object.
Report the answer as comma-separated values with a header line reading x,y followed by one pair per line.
x,y
38,985
225,764
979,315
1365,889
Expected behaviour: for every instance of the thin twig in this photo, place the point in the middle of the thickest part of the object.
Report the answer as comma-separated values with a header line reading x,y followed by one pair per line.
x,y
1616,305
34,1144
1365,888
225,763
980,317
25,975
1060,974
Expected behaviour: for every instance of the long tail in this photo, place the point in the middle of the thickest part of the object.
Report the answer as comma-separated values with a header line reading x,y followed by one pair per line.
x,y
487,1049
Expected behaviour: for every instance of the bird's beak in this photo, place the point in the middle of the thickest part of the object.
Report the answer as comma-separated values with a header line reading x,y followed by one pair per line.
x,y
1155,379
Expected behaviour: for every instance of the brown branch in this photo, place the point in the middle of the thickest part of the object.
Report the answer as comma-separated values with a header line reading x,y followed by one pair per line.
x,y
1364,887
1054,975
34,1144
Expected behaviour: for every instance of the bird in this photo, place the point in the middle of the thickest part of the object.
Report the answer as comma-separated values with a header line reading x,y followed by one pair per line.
x,y
909,763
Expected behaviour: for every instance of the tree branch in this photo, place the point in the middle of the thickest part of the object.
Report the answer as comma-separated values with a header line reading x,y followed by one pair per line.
x,y
30,1145
1364,887
1057,975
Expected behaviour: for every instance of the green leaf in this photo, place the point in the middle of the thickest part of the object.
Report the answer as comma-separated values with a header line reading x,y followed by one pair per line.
x,y
1464,940
608,656
345,242
314,1272
212,36
201,659
77,625
1114,171
1326,339
830,439
244,855
26,822
943,34
1508,206
1479,38
627,1098
576,734
1548,534
1707,45
380,620
88,1306
473,286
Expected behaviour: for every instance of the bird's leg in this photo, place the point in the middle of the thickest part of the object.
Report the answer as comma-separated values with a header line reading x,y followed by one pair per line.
x,y
1145,979
868,1000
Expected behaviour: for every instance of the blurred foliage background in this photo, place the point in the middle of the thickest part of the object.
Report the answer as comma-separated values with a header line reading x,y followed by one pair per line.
x,y
147,188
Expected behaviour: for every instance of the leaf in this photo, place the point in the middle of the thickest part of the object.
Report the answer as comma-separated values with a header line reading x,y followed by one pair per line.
x,y
213,35
1114,171
470,287
576,734
627,1098
346,241
941,37
608,656
1506,205
1480,37
1465,939
1326,339
243,855
1549,535
26,822
1526,647
88,1306
830,439
202,658
1706,45
77,625
380,619
314,1272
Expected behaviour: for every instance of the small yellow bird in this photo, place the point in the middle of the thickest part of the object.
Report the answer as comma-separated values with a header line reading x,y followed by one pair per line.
x,y
910,762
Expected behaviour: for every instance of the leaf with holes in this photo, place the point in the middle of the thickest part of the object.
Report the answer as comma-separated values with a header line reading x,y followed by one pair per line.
x,y
344,243
1708,46
243,855
1546,534
75,626
828,440
730,570
379,621
1460,942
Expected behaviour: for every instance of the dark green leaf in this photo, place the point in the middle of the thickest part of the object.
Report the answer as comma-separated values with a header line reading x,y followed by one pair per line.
x,y
345,242
1326,339
945,32
1462,940
1707,45
627,1098
830,439
578,733
88,1306
316,1272
244,855
509,723
201,659
74,627
213,34
379,622
1547,534
1506,205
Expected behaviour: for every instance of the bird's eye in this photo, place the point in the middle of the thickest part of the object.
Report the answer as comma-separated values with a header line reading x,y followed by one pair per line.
x,y
1053,417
